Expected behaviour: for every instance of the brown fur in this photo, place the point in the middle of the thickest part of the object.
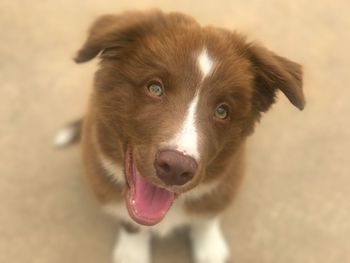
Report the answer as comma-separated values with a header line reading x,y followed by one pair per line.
x,y
136,47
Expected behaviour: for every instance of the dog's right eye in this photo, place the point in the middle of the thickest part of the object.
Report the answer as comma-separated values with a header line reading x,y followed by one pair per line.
x,y
155,88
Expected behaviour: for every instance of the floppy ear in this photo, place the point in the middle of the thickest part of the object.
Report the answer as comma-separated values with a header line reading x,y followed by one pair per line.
x,y
273,72
112,32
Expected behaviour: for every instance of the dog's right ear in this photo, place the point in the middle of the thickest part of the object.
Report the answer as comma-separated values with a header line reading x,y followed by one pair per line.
x,y
117,31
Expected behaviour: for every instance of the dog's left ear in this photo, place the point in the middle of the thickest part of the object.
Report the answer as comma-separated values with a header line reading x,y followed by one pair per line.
x,y
274,72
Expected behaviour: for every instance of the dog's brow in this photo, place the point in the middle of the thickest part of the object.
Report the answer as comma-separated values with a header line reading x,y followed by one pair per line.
x,y
205,63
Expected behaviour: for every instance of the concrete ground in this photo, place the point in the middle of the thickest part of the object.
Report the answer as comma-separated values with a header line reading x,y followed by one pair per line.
x,y
294,206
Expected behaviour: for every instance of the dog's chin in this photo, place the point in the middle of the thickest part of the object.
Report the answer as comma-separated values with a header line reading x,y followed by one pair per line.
x,y
147,203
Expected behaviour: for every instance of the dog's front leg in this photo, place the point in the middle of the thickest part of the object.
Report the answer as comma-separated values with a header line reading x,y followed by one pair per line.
x,y
132,247
209,245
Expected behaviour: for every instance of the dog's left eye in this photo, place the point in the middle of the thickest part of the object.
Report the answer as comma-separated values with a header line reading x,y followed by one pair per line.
x,y
155,88
221,112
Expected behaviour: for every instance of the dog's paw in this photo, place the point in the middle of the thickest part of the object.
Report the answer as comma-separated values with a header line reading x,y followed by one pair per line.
x,y
129,255
209,245
211,252
132,248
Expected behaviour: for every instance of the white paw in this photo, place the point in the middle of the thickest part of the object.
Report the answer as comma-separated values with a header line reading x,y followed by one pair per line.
x,y
132,248
211,252
209,245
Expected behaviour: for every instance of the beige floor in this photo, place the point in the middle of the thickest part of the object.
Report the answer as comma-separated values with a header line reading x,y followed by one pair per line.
x,y
294,206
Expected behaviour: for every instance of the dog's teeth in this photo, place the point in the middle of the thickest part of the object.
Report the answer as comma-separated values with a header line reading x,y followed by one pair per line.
x,y
65,136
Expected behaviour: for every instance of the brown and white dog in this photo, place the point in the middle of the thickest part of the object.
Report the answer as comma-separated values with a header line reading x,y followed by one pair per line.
x,y
164,136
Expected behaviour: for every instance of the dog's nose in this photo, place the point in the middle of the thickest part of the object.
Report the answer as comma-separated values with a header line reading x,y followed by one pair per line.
x,y
174,168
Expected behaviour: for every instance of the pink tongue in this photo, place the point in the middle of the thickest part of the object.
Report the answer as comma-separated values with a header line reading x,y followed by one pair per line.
x,y
148,203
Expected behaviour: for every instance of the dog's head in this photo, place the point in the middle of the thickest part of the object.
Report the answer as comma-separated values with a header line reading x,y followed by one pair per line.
x,y
178,100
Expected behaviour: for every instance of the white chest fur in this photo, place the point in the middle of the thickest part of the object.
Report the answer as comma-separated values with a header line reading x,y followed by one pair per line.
x,y
208,243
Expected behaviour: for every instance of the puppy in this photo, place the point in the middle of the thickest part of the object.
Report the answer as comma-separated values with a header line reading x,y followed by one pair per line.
x,y
164,135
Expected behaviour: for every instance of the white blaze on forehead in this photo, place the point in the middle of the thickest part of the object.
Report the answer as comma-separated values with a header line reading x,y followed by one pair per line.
x,y
186,140
205,63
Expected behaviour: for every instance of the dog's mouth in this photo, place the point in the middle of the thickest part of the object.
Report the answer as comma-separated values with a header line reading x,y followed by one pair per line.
x,y
147,203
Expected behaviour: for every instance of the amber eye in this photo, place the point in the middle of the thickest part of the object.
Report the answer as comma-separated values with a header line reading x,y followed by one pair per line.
x,y
155,88
221,112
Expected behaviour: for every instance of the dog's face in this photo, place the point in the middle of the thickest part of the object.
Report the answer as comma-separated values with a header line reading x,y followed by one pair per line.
x,y
178,100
